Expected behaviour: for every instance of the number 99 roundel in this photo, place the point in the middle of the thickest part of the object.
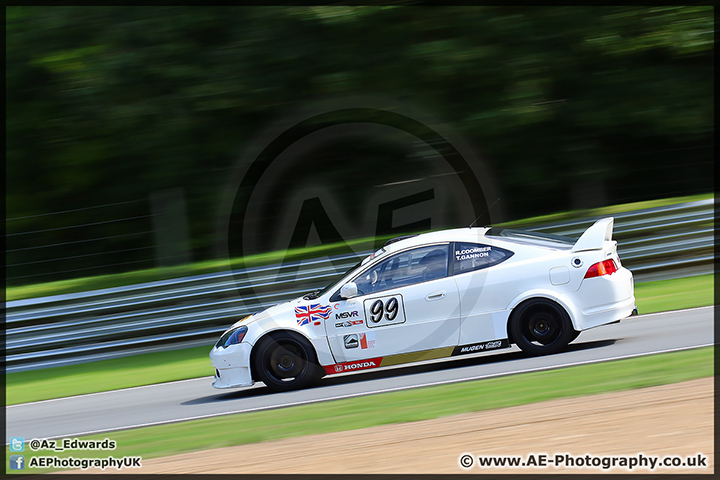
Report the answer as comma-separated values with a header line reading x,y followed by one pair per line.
x,y
383,310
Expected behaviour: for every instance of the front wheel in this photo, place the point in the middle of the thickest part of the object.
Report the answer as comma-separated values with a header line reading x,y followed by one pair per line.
x,y
540,327
286,362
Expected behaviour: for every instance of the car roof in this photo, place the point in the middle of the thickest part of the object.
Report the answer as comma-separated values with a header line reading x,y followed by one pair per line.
x,y
479,235
474,234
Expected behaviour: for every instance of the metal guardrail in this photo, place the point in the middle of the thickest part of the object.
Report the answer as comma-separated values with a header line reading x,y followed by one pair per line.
x,y
655,243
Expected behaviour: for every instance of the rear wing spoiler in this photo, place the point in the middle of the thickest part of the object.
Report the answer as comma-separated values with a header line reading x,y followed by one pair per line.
x,y
595,236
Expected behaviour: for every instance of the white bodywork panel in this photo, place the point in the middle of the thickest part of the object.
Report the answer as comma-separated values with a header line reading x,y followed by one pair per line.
x,y
459,308
594,237
430,319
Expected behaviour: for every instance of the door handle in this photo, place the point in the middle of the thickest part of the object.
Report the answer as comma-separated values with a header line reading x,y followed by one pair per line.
x,y
435,295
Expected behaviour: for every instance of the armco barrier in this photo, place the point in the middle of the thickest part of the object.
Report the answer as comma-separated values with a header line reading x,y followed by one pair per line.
x,y
655,243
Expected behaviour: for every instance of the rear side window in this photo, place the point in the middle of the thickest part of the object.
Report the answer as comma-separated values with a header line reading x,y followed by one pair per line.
x,y
474,256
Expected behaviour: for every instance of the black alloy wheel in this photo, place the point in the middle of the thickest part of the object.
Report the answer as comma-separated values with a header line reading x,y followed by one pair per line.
x,y
541,327
285,361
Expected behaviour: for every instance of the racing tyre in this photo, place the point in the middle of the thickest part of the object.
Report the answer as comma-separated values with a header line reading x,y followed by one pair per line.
x,y
286,362
540,327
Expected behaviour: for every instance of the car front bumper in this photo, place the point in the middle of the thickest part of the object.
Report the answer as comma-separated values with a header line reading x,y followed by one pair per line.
x,y
232,366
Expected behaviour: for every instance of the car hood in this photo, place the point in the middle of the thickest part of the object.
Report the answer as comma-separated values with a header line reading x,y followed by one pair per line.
x,y
280,310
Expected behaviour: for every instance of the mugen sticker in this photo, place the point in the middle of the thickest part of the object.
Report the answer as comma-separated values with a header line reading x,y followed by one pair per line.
x,y
480,347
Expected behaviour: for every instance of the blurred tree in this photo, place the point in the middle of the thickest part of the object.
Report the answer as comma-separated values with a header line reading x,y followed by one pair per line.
x,y
108,104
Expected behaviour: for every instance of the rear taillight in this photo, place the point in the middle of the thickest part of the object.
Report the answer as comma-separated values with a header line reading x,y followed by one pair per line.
x,y
606,267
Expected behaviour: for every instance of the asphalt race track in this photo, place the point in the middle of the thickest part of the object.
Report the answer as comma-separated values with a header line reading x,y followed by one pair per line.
x,y
196,398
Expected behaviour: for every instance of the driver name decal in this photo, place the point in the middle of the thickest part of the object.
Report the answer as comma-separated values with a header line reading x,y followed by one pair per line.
x,y
471,253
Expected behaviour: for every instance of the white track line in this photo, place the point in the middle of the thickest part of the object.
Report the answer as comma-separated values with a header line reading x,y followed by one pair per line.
x,y
668,311
394,389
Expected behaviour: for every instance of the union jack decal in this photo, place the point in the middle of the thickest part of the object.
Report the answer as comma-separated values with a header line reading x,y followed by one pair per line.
x,y
312,313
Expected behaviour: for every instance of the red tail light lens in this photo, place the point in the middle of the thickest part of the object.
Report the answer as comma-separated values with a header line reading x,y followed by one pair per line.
x,y
606,267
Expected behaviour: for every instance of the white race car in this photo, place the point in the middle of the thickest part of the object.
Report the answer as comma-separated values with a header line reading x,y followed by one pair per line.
x,y
434,295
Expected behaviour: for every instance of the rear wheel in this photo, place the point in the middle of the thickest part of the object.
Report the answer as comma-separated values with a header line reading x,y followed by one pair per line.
x,y
541,326
284,361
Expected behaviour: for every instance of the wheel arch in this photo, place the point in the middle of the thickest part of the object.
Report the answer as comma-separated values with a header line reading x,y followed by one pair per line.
x,y
520,303
544,294
270,333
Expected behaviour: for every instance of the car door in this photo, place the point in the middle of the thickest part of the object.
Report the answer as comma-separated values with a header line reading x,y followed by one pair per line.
x,y
405,303
484,290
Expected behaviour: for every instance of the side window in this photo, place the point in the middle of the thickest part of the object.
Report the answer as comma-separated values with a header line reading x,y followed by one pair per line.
x,y
406,268
474,256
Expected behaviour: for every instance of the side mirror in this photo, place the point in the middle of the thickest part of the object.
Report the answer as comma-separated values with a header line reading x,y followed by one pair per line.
x,y
348,290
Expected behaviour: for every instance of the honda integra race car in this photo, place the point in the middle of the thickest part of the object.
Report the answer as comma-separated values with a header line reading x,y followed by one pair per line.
x,y
434,295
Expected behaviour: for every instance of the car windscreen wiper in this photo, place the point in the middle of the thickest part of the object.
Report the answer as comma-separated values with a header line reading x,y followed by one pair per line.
x,y
312,295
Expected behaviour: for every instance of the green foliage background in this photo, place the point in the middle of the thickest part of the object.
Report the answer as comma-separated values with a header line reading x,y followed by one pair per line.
x,y
108,104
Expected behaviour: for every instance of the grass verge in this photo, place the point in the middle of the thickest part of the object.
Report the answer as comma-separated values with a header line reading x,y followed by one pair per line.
x,y
111,374
149,368
675,294
406,406
211,266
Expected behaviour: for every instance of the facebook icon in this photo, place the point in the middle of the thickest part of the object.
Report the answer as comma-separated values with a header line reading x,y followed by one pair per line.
x,y
17,462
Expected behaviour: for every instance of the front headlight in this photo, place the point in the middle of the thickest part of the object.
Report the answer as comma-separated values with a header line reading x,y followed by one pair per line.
x,y
232,336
